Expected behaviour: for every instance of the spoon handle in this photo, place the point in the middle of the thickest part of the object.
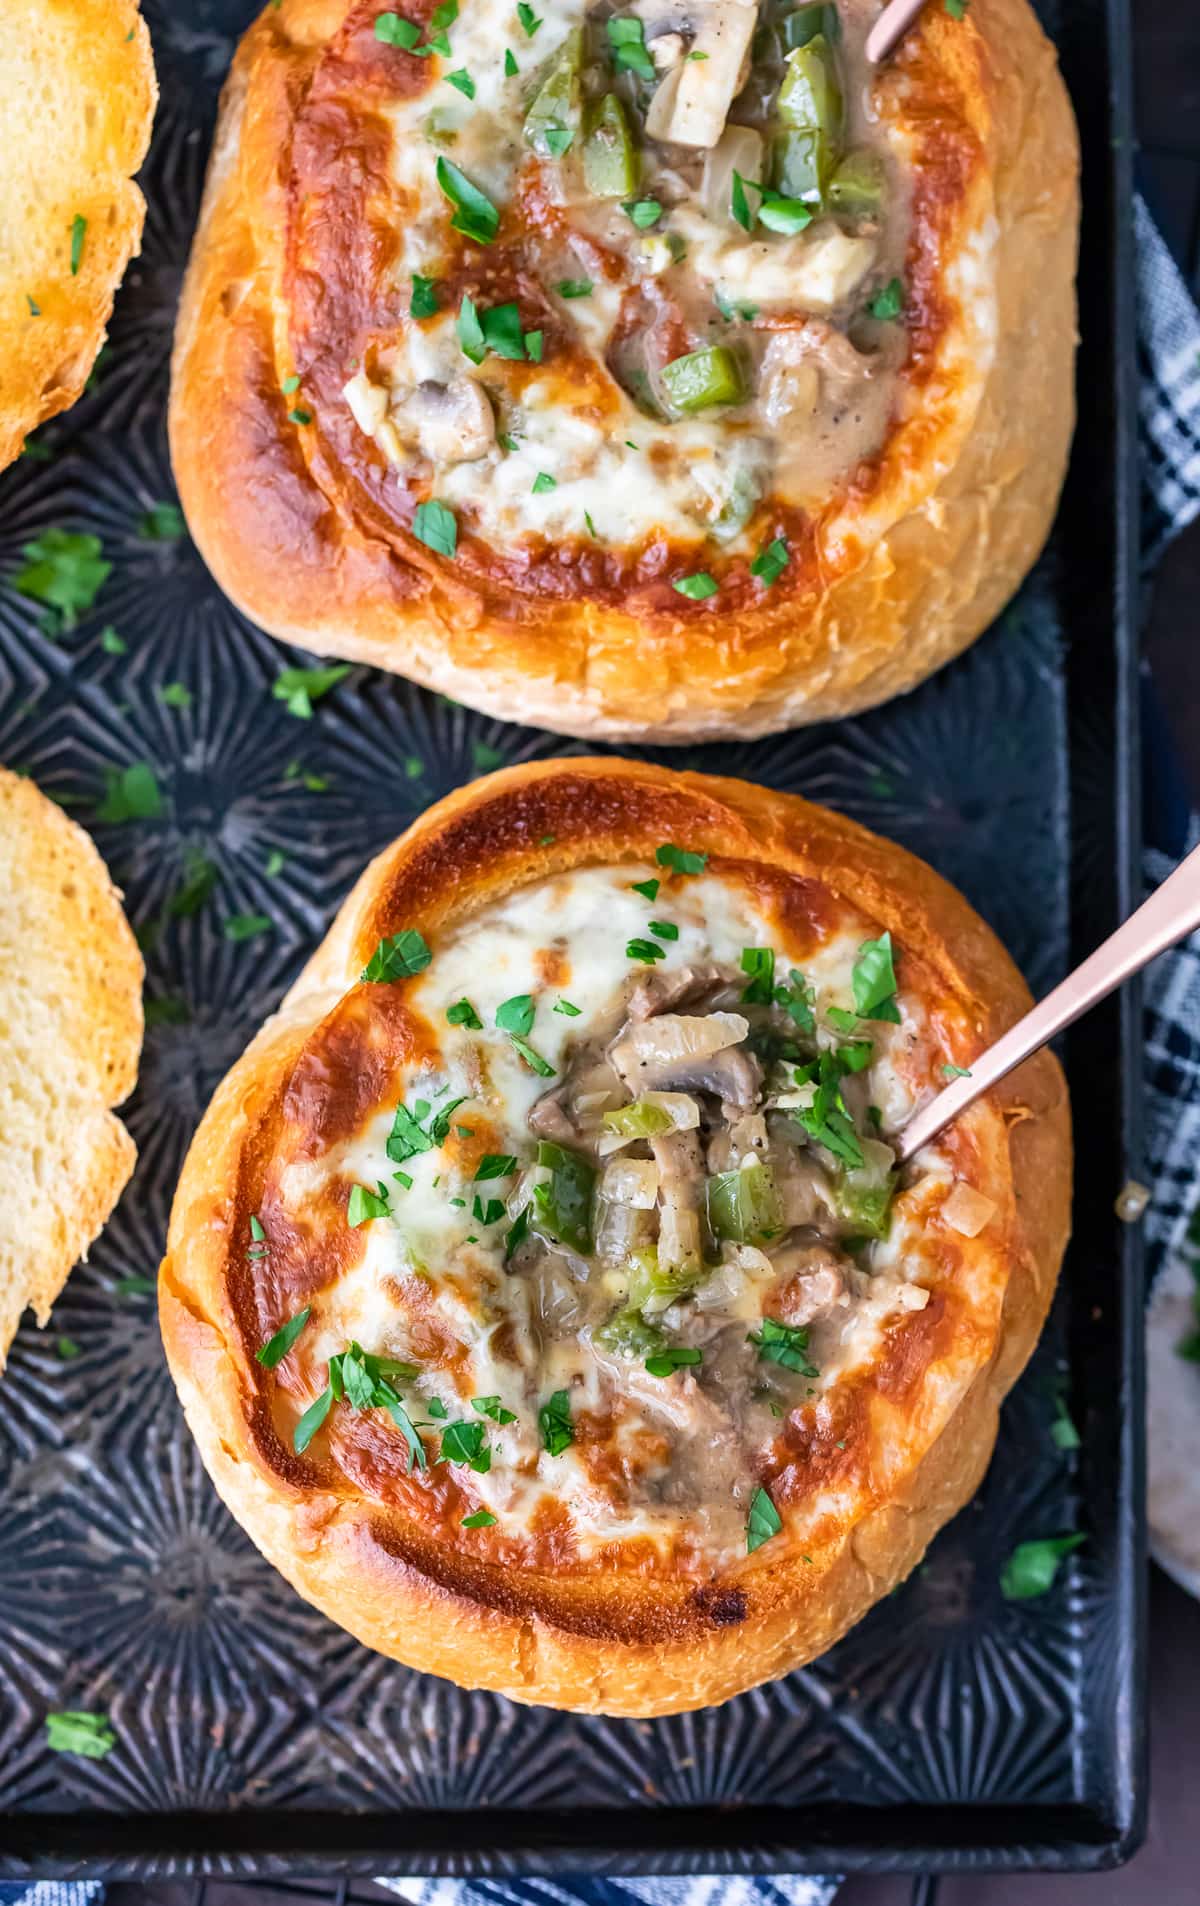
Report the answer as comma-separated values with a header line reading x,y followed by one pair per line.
x,y
890,28
1172,912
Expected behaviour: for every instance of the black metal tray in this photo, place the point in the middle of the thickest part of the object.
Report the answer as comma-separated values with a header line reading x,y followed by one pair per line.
x,y
951,1729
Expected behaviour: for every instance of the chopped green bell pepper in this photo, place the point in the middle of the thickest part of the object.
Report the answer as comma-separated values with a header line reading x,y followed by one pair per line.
x,y
651,1284
856,189
703,378
610,157
809,116
866,1208
744,1205
628,1333
562,1205
807,23
642,1119
556,110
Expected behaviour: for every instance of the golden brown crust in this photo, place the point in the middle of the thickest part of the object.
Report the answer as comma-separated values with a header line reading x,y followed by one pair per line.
x,y
77,99
895,577
71,1007
627,1641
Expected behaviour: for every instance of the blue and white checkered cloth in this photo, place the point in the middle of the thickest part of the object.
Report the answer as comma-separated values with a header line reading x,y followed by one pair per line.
x,y
1169,359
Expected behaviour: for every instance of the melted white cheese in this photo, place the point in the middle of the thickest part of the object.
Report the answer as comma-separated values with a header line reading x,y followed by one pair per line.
x,y
433,1240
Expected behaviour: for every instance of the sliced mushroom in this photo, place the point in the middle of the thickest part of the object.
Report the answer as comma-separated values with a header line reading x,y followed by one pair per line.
x,y
811,1284
680,1054
701,986
690,107
454,422
680,1197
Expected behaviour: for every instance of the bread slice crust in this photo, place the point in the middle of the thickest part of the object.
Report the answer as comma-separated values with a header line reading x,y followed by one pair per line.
x,y
77,99
70,1037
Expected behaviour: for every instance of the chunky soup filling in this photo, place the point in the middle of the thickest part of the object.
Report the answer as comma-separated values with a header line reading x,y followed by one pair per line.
x,y
655,256
629,1211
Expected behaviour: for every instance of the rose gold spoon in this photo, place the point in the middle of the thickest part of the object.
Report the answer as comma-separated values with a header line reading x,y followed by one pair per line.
x,y
1172,912
890,28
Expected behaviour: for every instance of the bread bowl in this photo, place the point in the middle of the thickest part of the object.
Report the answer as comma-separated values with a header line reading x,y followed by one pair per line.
x,y
602,450
70,1035
77,98
511,1291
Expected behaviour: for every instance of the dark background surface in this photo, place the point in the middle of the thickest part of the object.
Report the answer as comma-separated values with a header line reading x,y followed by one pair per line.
x,y
1167,66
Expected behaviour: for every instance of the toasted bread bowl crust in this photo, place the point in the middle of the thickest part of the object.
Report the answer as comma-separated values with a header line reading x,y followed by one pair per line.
x,y
898,574
607,1642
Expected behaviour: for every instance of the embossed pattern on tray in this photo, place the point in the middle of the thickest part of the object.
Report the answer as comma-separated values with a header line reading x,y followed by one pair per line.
x,y
124,1585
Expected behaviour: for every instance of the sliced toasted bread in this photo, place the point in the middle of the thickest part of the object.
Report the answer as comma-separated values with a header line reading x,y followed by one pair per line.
x,y
77,97
70,1035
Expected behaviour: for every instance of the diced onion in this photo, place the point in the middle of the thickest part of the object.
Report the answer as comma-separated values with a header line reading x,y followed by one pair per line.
x,y
368,402
967,1210
632,1181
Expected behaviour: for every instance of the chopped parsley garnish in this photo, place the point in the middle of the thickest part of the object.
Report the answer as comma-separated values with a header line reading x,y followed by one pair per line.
x,y
409,1134
888,303
664,929
470,332
533,1060
759,963
510,64
554,1423
482,1519
363,1205
312,1420
423,301
542,483
162,523
495,1165
276,1348
676,1356
874,981
627,44
492,1407
592,531
517,1233
770,562
956,1072
783,1344
174,695
35,309
404,1181
696,588
301,417
130,794
646,950
437,1409
839,1017
1063,1433
489,1213
648,888
299,688
474,214
79,227
112,643
462,81
67,1348
643,212
437,527
957,9
574,287
739,204
65,572
466,1443
516,1015
257,1232
1031,1568
566,1008
74,1731
826,1119
679,859
247,926
395,957
855,1056
763,1523
533,346
290,386
528,18
784,215
394,30
462,1013
484,757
